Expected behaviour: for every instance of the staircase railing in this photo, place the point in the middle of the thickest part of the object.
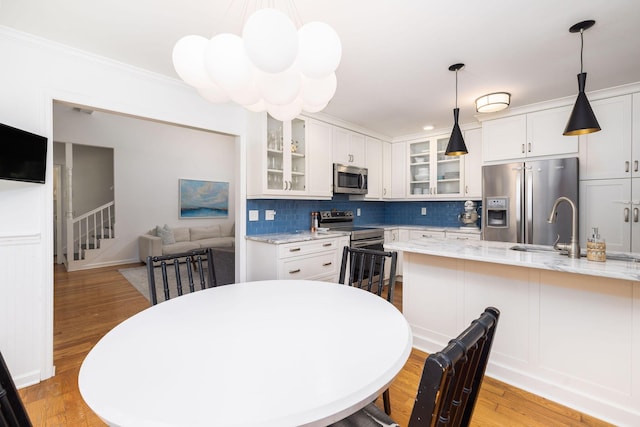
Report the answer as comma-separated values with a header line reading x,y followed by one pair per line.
x,y
85,231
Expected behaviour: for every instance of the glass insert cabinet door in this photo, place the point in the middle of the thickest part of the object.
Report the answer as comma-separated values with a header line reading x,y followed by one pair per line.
x,y
286,161
431,172
420,168
448,170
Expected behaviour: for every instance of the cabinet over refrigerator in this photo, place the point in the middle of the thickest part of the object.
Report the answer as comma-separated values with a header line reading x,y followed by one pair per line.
x,y
517,199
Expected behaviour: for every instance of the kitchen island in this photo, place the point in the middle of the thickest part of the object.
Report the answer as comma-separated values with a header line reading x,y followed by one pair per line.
x,y
569,328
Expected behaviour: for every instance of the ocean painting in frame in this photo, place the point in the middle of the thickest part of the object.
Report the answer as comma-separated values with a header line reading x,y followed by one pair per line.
x,y
204,199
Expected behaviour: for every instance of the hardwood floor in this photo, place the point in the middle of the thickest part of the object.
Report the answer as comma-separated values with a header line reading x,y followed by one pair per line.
x,y
90,303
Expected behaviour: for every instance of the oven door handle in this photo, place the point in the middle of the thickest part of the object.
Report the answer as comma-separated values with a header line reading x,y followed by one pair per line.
x,y
365,243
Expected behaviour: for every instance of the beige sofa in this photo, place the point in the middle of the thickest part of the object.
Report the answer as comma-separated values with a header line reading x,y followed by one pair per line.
x,y
166,240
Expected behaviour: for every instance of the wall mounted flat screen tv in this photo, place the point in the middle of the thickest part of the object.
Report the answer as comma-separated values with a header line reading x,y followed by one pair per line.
x,y
23,155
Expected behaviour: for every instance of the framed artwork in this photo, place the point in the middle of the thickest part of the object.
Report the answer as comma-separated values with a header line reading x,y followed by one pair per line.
x,y
204,199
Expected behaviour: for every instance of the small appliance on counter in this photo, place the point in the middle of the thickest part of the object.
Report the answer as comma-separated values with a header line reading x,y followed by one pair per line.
x,y
469,218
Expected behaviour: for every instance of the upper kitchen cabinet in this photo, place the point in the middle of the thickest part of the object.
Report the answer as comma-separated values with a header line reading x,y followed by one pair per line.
x,y
473,164
373,163
528,135
348,147
397,171
320,163
612,152
279,159
431,172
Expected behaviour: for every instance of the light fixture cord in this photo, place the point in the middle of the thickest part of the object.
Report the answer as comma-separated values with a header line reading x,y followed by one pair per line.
x,y
456,88
581,48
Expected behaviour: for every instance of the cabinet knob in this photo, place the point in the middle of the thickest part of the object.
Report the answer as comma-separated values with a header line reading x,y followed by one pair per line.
x,y
626,166
326,264
635,214
529,147
522,148
294,271
294,250
635,166
626,214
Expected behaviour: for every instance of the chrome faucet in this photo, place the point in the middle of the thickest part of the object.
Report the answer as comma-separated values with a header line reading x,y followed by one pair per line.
x,y
573,247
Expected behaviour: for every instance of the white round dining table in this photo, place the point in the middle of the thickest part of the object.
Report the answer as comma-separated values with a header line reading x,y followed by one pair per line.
x,y
268,353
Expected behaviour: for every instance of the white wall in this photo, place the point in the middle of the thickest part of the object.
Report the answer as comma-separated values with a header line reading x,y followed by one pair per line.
x,y
149,159
34,72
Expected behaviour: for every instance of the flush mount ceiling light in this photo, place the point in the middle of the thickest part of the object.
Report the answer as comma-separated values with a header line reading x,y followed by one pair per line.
x,y
456,146
493,102
582,119
273,67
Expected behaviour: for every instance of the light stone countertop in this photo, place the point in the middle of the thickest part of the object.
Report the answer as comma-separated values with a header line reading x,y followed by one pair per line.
x,y
300,236
499,253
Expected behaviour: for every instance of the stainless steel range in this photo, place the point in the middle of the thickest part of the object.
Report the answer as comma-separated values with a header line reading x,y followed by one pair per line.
x,y
361,237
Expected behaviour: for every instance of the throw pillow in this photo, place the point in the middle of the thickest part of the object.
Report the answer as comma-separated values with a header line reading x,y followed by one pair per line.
x,y
165,234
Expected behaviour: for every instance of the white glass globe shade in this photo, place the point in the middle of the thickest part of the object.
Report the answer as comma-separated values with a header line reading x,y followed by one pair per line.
x,y
318,91
214,93
270,40
310,108
227,63
280,88
247,95
258,107
285,112
188,60
319,49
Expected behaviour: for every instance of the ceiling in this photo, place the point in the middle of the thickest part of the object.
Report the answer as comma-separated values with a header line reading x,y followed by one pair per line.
x,y
393,77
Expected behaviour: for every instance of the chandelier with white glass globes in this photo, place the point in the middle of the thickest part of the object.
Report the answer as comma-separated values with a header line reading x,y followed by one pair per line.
x,y
273,67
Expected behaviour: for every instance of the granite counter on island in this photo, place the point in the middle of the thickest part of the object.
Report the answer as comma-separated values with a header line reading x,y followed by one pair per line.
x,y
569,329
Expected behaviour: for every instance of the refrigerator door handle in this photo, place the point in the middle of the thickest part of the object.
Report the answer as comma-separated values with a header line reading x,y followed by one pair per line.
x,y
528,220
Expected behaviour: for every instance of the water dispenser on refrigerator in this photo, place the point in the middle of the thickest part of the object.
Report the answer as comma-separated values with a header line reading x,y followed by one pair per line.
x,y
497,214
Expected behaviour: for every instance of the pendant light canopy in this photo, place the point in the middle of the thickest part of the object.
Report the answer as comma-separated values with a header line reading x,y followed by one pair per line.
x,y
582,119
456,146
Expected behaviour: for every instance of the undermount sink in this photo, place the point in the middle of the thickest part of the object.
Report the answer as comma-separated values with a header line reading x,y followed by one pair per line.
x,y
543,249
521,248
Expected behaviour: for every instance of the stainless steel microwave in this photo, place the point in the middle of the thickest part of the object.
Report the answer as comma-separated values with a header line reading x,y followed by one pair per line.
x,y
349,179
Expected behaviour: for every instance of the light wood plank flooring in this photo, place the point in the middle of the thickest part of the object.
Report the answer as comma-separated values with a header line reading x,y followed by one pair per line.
x,y
90,303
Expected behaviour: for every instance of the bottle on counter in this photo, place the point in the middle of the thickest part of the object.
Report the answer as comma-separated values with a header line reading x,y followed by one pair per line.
x,y
596,247
314,222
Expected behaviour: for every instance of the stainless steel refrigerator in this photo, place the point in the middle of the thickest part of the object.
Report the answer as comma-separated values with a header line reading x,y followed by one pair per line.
x,y
517,199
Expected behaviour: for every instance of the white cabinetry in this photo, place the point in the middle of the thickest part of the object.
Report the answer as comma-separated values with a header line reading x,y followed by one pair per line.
x,y
398,170
528,135
319,139
431,172
387,174
348,147
279,162
318,259
613,206
609,176
609,153
426,234
373,163
473,164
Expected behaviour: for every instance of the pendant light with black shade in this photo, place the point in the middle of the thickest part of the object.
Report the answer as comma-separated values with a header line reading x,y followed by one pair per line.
x,y
582,119
456,146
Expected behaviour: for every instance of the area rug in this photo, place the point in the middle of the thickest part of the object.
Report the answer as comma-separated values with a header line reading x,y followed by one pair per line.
x,y
137,276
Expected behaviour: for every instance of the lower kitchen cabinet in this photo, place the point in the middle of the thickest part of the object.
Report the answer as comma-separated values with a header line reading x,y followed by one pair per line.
x,y
613,206
317,259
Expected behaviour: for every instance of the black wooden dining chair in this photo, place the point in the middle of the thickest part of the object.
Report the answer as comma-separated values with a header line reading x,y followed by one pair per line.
x,y
181,273
12,412
366,269
450,382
